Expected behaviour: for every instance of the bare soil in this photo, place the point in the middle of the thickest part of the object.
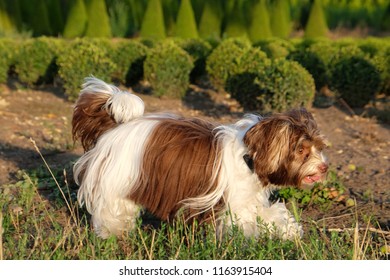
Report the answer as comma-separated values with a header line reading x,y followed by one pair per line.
x,y
359,150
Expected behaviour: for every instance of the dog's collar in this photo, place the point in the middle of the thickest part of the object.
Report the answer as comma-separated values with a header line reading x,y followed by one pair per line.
x,y
249,162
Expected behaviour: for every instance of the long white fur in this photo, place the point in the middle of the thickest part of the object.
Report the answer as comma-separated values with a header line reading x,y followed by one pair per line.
x,y
112,168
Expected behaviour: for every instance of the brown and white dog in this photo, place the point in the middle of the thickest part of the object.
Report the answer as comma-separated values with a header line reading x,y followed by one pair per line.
x,y
169,164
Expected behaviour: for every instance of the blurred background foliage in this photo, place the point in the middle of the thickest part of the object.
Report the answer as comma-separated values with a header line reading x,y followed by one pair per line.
x,y
207,19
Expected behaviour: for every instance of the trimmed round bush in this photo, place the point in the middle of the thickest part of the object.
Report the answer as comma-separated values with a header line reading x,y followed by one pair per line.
x,y
316,58
128,56
82,58
199,50
275,48
36,60
224,60
167,67
7,53
274,87
355,79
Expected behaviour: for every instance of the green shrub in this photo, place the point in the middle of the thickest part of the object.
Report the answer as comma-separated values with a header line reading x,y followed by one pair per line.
x,y
316,57
241,84
316,24
98,21
354,77
186,24
199,50
260,26
128,56
82,58
7,47
167,67
76,22
224,60
277,86
275,48
36,60
153,21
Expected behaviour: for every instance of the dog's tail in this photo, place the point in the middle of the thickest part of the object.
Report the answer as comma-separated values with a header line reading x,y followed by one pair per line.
x,y
101,107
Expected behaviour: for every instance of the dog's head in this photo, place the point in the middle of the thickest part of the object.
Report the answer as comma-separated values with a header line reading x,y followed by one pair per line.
x,y
287,149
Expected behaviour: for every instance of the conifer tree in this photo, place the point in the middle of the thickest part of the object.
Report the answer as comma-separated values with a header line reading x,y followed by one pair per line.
x,y
153,22
280,18
98,22
14,11
39,20
77,20
55,16
6,26
170,11
316,24
197,7
260,27
186,24
211,20
235,26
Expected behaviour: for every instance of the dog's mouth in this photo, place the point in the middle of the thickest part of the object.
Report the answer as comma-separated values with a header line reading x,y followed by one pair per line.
x,y
311,179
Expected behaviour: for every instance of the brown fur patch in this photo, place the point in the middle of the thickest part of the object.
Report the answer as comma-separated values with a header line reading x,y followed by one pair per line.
x,y
90,119
178,164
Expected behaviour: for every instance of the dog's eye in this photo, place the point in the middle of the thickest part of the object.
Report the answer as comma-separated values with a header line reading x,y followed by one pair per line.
x,y
300,151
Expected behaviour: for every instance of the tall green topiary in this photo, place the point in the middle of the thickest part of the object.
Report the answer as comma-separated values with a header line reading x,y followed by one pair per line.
x,y
55,16
211,21
280,18
236,26
14,10
76,21
167,67
39,21
316,24
153,25
98,21
6,25
186,24
259,28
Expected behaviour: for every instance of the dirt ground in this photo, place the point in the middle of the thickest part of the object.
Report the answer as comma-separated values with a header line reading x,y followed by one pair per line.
x,y
359,147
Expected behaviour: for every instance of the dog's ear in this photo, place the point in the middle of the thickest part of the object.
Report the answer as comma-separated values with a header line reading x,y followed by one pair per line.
x,y
270,142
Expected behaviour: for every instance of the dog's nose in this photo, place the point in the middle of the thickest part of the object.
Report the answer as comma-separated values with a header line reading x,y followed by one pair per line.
x,y
323,167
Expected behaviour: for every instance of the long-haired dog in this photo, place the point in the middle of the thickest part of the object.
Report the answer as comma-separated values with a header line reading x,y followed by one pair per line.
x,y
168,164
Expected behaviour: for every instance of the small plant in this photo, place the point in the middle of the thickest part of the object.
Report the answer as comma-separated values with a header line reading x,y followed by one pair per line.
x,y
167,67
82,58
321,193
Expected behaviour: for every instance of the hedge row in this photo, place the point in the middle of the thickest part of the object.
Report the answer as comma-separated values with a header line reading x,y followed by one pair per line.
x,y
273,75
